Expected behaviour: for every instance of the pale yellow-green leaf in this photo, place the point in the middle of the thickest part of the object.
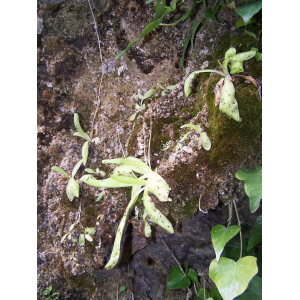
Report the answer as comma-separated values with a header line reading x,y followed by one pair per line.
x,y
76,168
88,237
158,186
132,117
149,93
72,189
205,141
90,230
78,127
91,171
232,278
81,239
243,56
155,215
85,152
60,170
64,237
230,52
108,182
128,180
117,244
228,103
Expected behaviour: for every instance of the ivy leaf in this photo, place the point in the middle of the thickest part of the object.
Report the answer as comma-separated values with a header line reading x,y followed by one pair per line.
x,y
215,294
210,14
248,10
232,278
201,293
253,185
233,248
193,275
177,280
254,290
220,235
256,234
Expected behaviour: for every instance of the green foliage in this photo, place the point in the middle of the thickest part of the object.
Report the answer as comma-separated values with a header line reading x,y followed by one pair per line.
x,y
215,294
211,13
193,275
48,294
177,280
220,235
232,278
256,234
67,234
149,181
122,288
86,235
225,96
167,89
205,141
254,290
141,105
253,185
203,294
248,10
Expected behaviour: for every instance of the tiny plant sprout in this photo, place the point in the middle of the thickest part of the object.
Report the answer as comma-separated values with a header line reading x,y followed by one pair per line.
x,y
205,141
148,182
72,186
225,91
80,132
167,89
141,105
67,234
86,235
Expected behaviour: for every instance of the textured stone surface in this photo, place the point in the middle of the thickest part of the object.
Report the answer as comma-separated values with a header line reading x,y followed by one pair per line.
x,y
69,73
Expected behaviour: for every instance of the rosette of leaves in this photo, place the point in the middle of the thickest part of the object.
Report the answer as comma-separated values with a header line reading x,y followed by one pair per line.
x,y
86,235
141,105
167,89
72,186
225,95
134,173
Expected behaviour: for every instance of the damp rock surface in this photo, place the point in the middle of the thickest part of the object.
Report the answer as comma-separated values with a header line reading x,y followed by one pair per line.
x,y
69,71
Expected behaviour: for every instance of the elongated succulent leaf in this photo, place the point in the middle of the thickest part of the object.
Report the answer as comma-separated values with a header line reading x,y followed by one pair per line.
x,y
128,179
108,182
72,189
155,214
79,129
85,152
60,170
117,244
76,168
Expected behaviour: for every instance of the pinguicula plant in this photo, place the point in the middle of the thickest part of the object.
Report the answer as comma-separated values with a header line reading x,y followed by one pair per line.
x,y
72,187
125,175
86,235
227,102
141,105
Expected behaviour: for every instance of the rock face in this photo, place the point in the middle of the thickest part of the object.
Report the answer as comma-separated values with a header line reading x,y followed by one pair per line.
x,y
70,69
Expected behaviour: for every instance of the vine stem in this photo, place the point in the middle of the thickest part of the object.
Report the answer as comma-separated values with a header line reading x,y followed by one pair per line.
x,y
241,238
178,263
100,85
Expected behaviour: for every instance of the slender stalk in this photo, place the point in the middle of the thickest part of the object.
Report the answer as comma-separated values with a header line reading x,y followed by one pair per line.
x,y
150,139
178,263
241,238
100,85
230,213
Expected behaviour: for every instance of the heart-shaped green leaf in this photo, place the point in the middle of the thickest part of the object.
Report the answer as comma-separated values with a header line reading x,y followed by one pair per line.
x,y
254,290
232,278
220,235
193,275
177,280
248,10
256,234
253,185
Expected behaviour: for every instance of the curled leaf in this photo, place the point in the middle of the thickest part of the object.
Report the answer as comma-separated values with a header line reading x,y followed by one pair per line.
x,y
155,214
78,127
228,103
72,189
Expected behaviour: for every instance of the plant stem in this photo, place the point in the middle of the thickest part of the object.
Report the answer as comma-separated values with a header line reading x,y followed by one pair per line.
x,y
241,238
100,85
230,213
